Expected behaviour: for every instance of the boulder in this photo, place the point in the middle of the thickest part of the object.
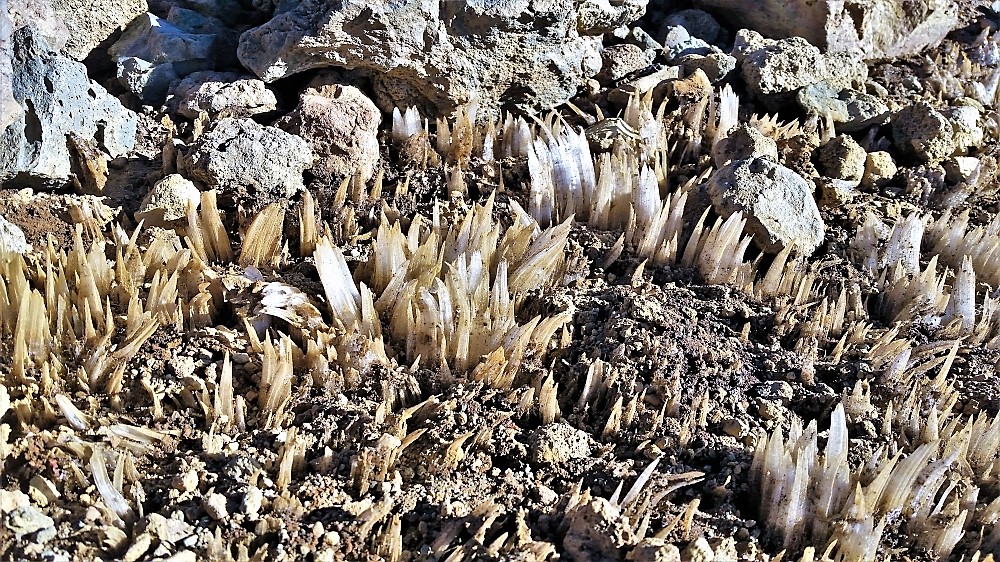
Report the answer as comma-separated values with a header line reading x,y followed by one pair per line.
x,y
10,110
57,99
92,22
772,67
874,28
341,125
153,53
225,94
777,203
442,55
241,158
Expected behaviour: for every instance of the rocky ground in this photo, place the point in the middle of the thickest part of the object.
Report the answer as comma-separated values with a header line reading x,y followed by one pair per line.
x,y
649,281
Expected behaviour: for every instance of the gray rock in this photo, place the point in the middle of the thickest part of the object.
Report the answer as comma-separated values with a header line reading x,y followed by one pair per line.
x,y
698,23
875,28
10,110
744,142
341,125
677,42
643,40
40,15
777,203
226,94
960,169
843,158
242,157
823,100
12,238
557,443
783,66
924,132
965,125
28,521
443,55
618,61
226,39
715,65
863,111
835,192
58,99
153,53
92,22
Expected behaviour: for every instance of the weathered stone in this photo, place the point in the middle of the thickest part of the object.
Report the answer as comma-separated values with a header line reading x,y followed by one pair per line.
x,y
10,110
777,203
879,169
557,443
621,60
843,158
656,81
715,65
782,66
215,506
875,28
744,142
222,94
652,549
960,168
677,42
242,157
29,521
153,53
834,192
596,532
59,99
92,22
924,132
823,100
698,23
443,55
167,201
341,125
12,238
965,125
863,111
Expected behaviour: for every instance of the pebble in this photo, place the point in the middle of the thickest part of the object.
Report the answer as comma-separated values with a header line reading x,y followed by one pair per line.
x,y
215,506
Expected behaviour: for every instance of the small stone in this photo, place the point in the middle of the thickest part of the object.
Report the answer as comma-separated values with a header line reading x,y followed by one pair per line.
x,y
28,520
596,531
879,169
699,551
697,23
716,65
744,142
621,60
863,111
843,158
225,94
965,124
42,490
557,443
167,201
823,100
653,549
252,500
834,192
735,428
776,390
215,506
921,130
960,168
546,495
186,482
12,238
784,66
777,203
